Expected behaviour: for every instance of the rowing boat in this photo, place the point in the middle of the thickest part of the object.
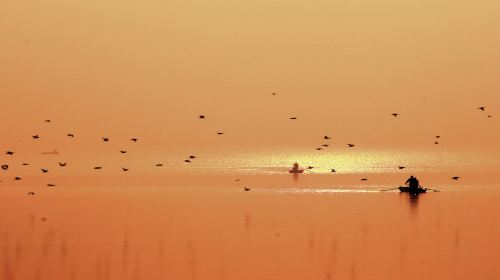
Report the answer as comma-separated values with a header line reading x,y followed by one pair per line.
x,y
412,191
296,171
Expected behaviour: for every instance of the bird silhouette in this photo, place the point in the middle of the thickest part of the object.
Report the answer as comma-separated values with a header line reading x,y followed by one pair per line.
x,y
192,157
438,136
5,166
490,116
364,179
97,167
44,170
51,185
62,164
17,178
159,164
319,149
31,193
36,136
105,139
124,169
325,145
333,170
202,116
274,93
123,152
350,145
455,178
401,167
395,114
187,160
293,118
134,139
220,133
436,142
47,121
9,153
236,180
481,108
326,137
310,167
246,189
25,164
70,135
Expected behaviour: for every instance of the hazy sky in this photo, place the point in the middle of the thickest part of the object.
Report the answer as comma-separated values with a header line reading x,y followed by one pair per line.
x,y
148,68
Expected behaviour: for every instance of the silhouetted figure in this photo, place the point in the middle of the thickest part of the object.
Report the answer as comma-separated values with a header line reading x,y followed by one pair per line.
x,y
187,160
319,149
438,136
309,167
412,183
97,167
47,120
17,178
436,142
25,164
364,179
295,167
325,145
489,116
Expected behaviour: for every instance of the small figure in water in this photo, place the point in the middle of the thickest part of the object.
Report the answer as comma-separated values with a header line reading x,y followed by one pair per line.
x,y
295,167
412,182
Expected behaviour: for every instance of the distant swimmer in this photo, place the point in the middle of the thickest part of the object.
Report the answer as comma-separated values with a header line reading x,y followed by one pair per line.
x,y
187,160
325,145
319,149
490,116
438,136
17,178
192,157
47,121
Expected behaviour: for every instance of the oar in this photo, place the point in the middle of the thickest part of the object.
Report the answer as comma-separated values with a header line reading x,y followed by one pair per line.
x,y
427,189
389,190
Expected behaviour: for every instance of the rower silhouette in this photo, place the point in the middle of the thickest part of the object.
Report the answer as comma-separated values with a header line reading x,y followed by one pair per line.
x,y
412,183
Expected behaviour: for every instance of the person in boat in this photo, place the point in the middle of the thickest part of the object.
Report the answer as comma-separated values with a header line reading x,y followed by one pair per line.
x,y
412,183
295,167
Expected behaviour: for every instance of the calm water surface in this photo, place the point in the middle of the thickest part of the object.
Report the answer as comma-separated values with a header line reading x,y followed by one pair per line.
x,y
221,232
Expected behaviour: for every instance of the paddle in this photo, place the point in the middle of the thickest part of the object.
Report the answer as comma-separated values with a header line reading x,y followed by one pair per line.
x,y
427,189
389,190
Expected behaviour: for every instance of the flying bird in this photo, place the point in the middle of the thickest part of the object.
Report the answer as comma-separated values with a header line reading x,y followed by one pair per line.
x,y
31,193
401,167
44,170
9,153
319,149
364,179
70,135
159,164
333,170
47,121
192,157
202,116
293,118
310,167
481,108
246,189
350,145
62,164
220,133
17,178
455,178
51,185
237,180
123,152
274,93
436,142
25,164
97,167
5,167
134,139
105,139
395,114
36,136
438,136
187,160
124,169
325,145
489,116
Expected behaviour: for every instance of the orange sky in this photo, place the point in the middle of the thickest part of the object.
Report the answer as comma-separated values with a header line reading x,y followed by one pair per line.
x,y
148,68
